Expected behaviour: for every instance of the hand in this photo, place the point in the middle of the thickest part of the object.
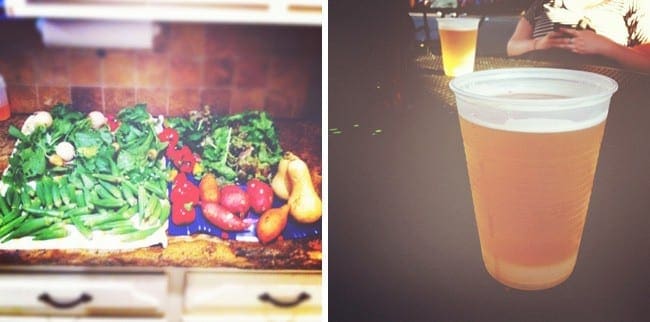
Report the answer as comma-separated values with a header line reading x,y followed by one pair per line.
x,y
586,42
553,39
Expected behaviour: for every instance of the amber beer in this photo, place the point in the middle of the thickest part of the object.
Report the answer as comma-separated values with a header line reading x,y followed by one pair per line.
x,y
532,139
458,38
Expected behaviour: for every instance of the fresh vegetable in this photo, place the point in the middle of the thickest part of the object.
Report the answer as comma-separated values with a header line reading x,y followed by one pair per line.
x,y
236,148
83,194
272,223
169,135
234,199
184,191
183,214
260,195
305,204
209,187
222,218
97,119
281,184
65,150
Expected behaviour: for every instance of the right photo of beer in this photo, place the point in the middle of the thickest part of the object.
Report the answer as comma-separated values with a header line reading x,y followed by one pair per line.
x,y
532,138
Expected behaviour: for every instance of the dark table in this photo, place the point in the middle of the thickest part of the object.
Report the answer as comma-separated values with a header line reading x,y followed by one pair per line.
x,y
403,243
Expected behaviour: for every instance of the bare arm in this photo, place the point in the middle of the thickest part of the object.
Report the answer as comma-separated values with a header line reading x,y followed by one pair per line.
x,y
522,40
588,42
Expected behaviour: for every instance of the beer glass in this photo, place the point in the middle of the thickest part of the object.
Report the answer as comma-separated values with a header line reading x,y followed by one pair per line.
x,y
458,44
531,138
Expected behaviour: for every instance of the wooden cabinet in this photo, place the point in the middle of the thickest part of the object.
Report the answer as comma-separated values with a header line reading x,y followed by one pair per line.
x,y
172,295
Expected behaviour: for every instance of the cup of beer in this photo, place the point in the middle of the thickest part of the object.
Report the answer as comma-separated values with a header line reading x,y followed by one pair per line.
x,y
458,36
532,138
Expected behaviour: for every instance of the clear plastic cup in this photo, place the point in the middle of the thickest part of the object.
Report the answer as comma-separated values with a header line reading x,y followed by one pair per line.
x,y
532,138
458,38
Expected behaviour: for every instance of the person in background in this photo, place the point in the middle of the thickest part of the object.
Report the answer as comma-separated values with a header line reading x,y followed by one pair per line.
x,y
599,31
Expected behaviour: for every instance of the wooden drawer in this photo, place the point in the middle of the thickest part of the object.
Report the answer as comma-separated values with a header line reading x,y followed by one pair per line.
x,y
260,296
73,294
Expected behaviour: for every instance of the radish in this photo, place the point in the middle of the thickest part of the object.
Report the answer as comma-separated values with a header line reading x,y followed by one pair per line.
x,y
260,195
222,218
234,199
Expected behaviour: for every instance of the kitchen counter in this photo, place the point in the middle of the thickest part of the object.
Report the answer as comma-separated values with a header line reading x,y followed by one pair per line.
x,y
301,137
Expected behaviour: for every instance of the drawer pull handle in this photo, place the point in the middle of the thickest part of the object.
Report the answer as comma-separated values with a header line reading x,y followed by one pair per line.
x,y
83,298
266,297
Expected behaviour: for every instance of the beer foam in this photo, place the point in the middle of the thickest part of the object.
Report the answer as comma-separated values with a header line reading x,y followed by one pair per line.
x,y
534,100
458,24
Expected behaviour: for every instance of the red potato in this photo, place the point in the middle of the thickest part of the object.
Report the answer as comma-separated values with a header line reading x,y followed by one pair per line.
x,y
222,218
260,195
234,199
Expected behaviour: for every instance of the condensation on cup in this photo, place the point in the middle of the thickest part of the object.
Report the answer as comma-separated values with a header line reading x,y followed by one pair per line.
x,y
458,37
532,138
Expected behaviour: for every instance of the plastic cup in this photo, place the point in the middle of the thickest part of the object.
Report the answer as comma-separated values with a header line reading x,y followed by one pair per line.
x,y
458,38
532,138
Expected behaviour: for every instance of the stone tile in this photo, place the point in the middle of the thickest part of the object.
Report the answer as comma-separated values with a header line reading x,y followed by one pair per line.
x,y
181,101
154,98
217,99
119,68
252,71
52,67
85,68
152,70
187,40
87,99
218,71
22,99
48,96
184,73
115,99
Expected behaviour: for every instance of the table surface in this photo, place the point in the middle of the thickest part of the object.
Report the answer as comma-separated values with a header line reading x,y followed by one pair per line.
x,y
404,244
300,137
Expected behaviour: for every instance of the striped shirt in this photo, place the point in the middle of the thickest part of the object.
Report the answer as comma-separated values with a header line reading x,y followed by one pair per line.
x,y
626,22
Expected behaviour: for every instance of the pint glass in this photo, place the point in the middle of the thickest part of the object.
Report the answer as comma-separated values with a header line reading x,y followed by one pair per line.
x,y
531,138
458,38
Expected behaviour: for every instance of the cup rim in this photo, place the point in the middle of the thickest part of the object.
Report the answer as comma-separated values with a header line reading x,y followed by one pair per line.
x,y
609,87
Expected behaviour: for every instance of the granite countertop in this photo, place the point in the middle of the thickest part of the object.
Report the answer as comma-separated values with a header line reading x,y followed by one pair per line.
x,y
301,137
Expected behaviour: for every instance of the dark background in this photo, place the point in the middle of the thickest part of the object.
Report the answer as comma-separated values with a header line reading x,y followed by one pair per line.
x,y
403,244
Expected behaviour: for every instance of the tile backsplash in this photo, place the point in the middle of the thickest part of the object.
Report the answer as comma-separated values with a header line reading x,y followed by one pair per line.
x,y
231,68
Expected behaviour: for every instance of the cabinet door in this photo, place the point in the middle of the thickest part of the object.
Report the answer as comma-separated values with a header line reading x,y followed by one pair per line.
x,y
88,294
9,318
253,318
252,296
